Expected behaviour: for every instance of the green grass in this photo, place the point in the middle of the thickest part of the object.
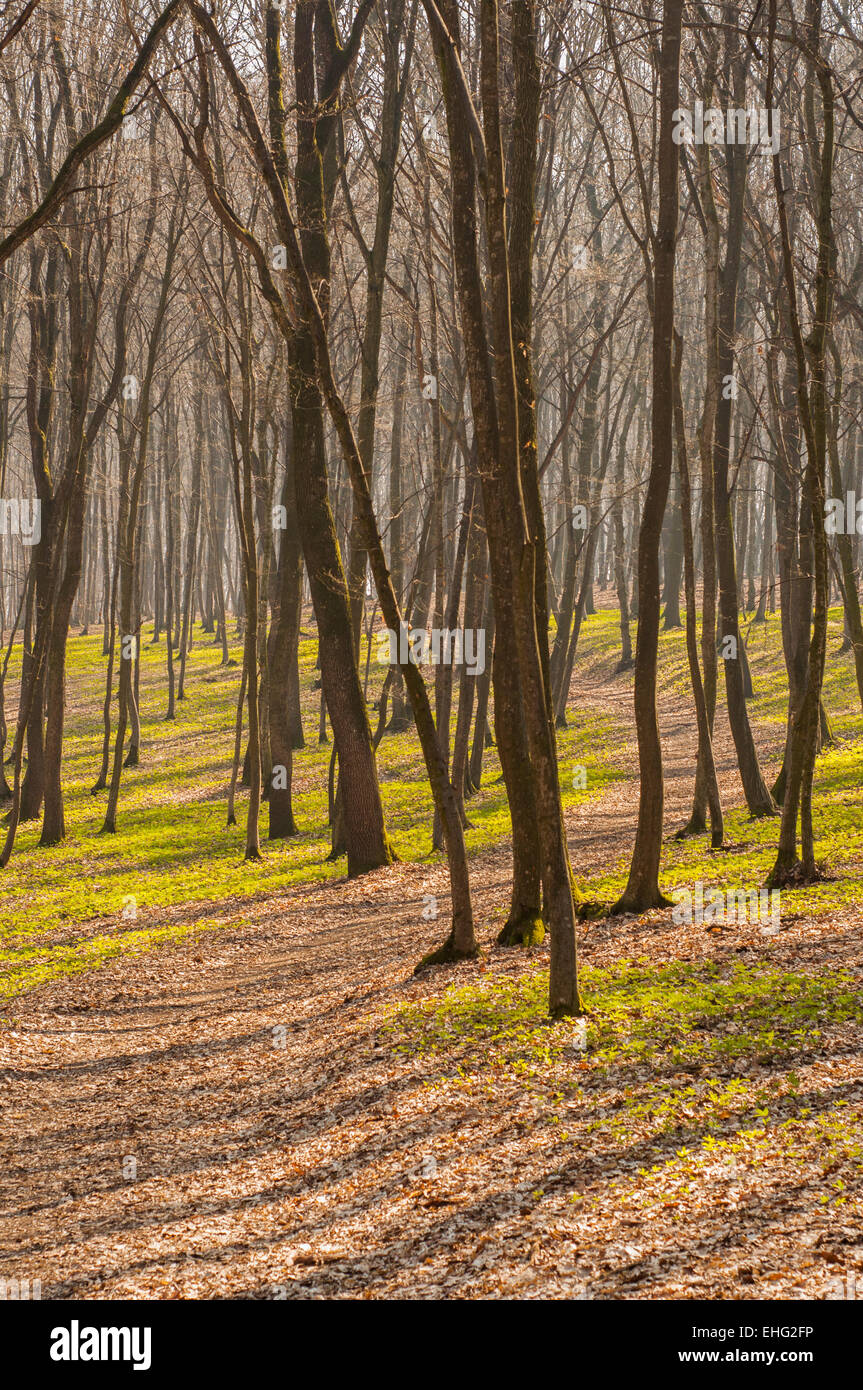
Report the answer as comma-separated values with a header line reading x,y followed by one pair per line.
x,y
599,649
752,843
686,1064
664,1016
27,967
173,848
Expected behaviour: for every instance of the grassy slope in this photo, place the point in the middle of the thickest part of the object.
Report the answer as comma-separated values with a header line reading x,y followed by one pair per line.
x,y
680,1074
700,1067
63,908
838,778
712,1068
173,848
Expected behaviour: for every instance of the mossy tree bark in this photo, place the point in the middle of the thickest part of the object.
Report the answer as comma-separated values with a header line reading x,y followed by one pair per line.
x,y
132,463
42,313
85,299
850,595
398,50
707,424
495,399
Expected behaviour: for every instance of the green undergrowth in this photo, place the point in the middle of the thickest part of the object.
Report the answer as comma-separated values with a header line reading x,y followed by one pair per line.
x,y
662,1016
751,843
750,847
26,967
823,1152
683,1065
173,848
599,651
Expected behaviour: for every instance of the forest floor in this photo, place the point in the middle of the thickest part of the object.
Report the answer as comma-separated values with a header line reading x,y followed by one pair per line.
x,y
274,1106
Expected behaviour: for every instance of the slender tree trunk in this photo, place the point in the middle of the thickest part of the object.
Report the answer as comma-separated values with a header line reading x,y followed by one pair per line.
x,y
642,889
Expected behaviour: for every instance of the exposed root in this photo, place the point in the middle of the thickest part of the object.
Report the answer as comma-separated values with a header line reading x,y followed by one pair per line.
x,y
447,954
637,905
692,827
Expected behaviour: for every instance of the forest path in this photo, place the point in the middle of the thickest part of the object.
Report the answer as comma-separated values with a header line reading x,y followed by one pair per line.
x,y
224,1118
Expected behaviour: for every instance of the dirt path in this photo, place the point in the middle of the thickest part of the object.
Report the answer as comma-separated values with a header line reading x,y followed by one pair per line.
x,y
222,1118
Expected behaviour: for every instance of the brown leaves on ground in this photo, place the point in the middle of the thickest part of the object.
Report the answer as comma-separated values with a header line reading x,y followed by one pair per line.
x,y
226,1118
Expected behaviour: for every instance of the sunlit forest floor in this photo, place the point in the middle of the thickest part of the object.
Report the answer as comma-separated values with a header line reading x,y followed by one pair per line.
x,y
243,1091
